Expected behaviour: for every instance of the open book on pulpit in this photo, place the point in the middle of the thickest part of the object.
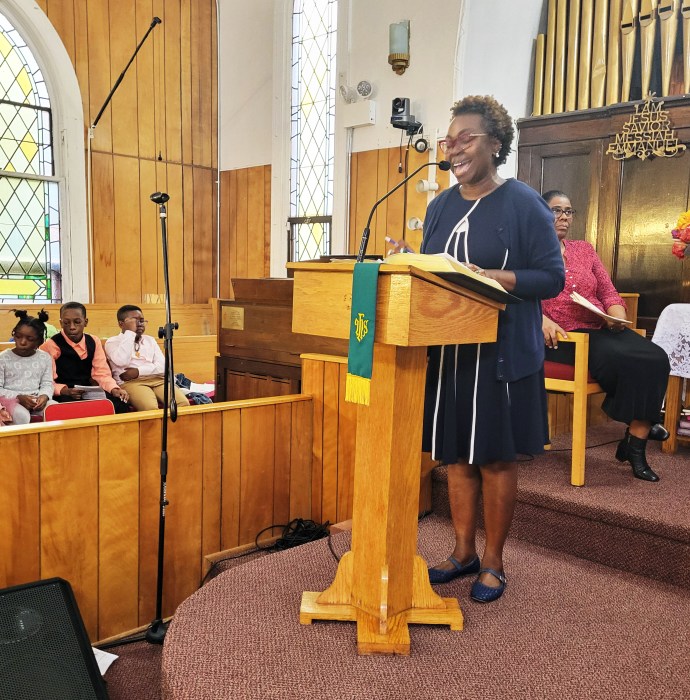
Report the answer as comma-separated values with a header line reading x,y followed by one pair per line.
x,y
450,269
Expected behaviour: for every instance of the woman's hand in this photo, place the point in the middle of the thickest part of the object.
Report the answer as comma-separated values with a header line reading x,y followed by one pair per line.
x,y
551,330
398,246
619,312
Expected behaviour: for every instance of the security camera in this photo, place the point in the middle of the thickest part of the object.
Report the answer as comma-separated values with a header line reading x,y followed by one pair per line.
x,y
401,117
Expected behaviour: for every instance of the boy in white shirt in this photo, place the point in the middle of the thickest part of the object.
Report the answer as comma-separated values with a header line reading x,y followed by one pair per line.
x,y
137,362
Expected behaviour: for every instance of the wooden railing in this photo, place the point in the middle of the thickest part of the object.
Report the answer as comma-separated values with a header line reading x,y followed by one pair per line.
x,y
79,499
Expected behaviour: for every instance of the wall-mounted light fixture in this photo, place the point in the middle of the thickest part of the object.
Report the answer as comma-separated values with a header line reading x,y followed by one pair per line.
x,y
399,46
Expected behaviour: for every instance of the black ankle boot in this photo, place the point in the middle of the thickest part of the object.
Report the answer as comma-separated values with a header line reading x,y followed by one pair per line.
x,y
659,433
632,449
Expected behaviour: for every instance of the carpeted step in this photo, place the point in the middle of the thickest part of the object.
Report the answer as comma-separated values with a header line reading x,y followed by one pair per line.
x,y
614,519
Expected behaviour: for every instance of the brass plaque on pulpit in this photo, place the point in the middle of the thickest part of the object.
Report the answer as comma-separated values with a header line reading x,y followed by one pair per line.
x,y
232,318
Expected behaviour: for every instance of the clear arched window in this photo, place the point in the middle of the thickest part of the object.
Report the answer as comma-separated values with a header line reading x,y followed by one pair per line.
x,y
29,206
314,76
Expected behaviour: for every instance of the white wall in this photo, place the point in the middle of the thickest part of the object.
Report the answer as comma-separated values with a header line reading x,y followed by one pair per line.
x,y
496,55
429,81
245,96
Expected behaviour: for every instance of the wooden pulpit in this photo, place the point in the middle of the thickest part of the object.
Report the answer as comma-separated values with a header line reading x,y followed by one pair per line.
x,y
381,583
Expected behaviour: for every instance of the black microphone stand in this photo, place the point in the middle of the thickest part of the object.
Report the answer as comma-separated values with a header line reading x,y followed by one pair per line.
x,y
154,22
155,634
443,165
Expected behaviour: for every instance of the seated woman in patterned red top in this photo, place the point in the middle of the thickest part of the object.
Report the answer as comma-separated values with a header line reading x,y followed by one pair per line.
x,y
630,369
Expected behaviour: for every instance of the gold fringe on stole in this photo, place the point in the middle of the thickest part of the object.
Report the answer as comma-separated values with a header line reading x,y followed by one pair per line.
x,y
357,389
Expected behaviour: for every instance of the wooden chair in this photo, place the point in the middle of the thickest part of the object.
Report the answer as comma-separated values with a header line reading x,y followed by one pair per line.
x,y
577,381
79,409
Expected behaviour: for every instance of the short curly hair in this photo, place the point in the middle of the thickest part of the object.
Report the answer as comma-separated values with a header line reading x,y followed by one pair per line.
x,y
497,121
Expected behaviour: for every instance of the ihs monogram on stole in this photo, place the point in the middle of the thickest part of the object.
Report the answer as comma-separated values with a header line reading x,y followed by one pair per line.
x,y
361,327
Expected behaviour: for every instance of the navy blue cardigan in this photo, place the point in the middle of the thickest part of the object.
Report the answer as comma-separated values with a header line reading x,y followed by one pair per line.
x,y
527,231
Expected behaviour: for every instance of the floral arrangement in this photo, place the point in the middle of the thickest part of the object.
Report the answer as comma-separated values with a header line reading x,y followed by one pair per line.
x,y
681,235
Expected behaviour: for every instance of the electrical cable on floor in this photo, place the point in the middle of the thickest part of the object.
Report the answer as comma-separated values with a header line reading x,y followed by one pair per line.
x,y
296,532
588,447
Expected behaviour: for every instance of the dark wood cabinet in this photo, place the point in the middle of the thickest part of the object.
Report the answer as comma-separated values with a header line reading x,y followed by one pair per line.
x,y
625,208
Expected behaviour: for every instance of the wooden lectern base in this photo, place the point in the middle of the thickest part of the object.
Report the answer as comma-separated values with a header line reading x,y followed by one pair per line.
x,y
382,634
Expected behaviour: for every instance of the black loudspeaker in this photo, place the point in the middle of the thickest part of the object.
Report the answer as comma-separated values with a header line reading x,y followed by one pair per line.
x,y
45,653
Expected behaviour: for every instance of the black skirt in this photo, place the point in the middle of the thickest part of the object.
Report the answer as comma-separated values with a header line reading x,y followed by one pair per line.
x,y
471,416
632,371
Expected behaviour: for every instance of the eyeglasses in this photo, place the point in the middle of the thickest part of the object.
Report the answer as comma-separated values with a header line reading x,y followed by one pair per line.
x,y
462,139
559,211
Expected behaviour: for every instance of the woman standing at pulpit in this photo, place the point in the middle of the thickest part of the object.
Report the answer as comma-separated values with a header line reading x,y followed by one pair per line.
x,y
485,403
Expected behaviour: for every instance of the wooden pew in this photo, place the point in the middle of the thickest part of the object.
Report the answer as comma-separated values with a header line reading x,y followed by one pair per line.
x,y
80,499
193,319
194,356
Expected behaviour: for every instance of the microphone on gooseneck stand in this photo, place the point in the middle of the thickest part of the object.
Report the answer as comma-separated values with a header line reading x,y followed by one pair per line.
x,y
442,165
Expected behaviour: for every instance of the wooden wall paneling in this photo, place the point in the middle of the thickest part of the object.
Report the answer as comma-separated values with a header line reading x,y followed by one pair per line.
x,y
146,81
347,431
241,223
186,79
352,214
228,229
198,77
301,461
19,510
214,90
184,515
161,186
378,185
283,462
313,384
118,529
257,454
173,97
103,227
43,4
416,201
100,77
203,31
231,476
188,232
331,401
394,214
255,222
61,16
149,223
267,221
128,259
160,68
69,484
365,187
176,252
608,211
212,470
81,57
149,511
204,236
123,41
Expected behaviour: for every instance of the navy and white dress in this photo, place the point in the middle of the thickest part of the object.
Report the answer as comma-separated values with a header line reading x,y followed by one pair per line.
x,y
486,402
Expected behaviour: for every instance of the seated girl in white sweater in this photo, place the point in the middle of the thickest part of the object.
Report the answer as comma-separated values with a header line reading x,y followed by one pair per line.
x,y
26,373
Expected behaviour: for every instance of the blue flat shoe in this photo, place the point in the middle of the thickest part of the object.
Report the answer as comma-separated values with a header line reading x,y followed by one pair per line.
x,y
445,575
486,594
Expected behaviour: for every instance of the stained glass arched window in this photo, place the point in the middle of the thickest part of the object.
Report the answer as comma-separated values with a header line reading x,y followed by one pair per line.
x,y
29,204
314,76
